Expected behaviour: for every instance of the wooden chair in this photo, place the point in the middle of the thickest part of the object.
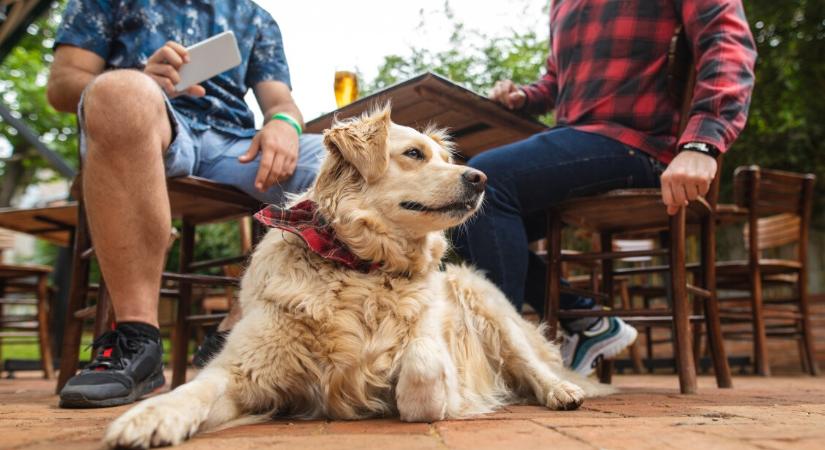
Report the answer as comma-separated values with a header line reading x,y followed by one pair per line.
x,y
640,212
25,285
195,201
777,208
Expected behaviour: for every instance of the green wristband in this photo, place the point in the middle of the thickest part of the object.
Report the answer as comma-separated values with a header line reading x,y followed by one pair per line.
x,y
290,120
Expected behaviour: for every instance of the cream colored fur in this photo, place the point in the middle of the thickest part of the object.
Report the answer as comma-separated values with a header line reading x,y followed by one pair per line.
x,y
318,340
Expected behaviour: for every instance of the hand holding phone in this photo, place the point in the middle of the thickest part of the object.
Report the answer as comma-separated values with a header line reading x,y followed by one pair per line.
x,y
178,70
164,65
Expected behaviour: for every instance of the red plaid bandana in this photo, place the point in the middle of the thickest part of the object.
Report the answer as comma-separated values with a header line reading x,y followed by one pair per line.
x,y
304,221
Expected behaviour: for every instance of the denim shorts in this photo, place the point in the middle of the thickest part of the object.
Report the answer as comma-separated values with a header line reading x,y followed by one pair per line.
x,y
214,155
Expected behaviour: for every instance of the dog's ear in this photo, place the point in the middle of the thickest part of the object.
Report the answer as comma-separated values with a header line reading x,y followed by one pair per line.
x,y
363,143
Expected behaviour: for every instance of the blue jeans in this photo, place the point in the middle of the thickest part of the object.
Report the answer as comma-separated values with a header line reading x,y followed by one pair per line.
x,y
525,179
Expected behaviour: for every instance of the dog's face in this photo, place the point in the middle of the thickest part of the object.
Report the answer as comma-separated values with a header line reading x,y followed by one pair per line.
x,y
405,177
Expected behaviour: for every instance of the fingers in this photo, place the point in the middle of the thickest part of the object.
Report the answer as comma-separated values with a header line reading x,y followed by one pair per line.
x,y
164,83
163,70
517,99
180,50
276,172
167,55
196,90
252,151
502,91
267,158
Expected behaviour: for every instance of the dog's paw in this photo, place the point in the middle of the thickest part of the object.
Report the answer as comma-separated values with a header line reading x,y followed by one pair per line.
x,y
422,401
156,422
564,396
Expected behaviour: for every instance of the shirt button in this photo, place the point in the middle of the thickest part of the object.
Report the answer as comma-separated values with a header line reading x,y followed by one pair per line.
x,y
190,31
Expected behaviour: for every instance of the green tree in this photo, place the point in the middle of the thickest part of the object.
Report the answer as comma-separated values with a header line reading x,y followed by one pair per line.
x,y
23,91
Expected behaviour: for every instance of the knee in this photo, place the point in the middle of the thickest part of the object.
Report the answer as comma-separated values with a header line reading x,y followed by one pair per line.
x,y
122,105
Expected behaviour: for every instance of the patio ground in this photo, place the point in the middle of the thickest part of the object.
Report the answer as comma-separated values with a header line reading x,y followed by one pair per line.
x,y
760,413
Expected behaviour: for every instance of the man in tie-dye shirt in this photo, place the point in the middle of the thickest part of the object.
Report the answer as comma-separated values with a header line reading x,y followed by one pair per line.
x,y
116,63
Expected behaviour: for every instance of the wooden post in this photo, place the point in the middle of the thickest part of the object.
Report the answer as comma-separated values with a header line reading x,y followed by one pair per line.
x,y
606,246
43,326
760,350
681,311
552,297
809,356
180,345
713,326
78,289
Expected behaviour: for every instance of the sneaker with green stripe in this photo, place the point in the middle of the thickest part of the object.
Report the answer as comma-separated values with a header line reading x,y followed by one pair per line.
x,y
605,339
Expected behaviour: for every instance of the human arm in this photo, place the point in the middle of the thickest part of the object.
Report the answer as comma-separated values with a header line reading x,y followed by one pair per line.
x,y
725,56
72,70
277,140
534,99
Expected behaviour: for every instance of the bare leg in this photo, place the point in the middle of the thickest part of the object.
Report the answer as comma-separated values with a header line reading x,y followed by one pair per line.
x,y
124,188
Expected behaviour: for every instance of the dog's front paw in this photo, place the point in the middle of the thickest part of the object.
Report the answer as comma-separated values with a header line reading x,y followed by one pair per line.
x,y
564,396
156,422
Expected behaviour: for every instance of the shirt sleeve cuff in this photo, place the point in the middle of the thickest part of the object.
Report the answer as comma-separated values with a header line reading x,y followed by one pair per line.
x,y
701,128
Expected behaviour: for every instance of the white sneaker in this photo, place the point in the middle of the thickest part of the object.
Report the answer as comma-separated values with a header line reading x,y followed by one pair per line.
x,y
607,338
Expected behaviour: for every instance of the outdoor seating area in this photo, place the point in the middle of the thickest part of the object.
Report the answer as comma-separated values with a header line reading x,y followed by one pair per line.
x,y
720,283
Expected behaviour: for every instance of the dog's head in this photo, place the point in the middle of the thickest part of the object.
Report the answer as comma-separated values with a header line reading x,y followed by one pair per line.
x,y
394,181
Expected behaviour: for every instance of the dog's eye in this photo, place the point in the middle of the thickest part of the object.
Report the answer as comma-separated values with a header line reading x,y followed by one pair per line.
x,y
414,153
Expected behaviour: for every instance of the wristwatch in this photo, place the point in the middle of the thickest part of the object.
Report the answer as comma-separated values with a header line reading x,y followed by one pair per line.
x,y
700,147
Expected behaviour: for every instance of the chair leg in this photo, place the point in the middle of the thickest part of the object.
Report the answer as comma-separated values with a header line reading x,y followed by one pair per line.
x,y
78,290
696,331
635,355
553,295
605,371
713,323
760,350
681,310
808,342
649,339
43,327
180,347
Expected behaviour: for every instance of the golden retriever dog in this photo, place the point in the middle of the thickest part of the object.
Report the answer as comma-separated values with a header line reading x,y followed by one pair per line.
x,y
402,336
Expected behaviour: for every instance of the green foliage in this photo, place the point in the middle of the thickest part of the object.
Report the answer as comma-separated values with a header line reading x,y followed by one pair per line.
x,y
23,90
785,129
473,59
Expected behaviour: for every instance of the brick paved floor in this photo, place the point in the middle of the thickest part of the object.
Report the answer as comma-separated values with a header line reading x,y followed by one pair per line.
x,y
773,413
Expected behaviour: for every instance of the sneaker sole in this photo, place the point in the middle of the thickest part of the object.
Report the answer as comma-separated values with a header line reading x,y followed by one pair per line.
x,y
607,349
78,400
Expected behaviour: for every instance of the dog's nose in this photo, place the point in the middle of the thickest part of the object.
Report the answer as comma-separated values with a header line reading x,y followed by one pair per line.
x,y
475,178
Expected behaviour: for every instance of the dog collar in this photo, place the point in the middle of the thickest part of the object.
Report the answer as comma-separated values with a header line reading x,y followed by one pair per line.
x,y
304,220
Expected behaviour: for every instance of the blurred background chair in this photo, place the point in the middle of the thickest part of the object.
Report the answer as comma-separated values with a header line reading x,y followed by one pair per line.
x,y
776,206
25,287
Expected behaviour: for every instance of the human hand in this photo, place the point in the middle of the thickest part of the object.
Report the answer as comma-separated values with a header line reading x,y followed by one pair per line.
x,y
278,144
163,67
686,178
508,94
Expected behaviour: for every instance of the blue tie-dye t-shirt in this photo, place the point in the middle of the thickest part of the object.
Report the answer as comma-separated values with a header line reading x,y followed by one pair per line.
x,y
126,33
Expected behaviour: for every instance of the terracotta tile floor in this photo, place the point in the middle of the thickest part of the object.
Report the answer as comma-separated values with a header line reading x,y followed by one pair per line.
x,y
760,413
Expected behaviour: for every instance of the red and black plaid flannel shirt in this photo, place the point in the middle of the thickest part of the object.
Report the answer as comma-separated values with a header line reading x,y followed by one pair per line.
x,y
607,71
304,220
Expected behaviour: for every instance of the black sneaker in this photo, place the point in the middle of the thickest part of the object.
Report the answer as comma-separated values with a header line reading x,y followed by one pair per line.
x,y
126,367
212,345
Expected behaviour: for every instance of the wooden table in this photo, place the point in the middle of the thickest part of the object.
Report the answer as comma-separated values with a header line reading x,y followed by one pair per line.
x,y
52,223
475,122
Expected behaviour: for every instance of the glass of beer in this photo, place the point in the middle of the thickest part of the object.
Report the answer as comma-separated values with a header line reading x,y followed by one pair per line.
x,y
346,87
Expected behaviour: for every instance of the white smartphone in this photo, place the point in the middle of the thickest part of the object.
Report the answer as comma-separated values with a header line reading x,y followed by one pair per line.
x,y
208,58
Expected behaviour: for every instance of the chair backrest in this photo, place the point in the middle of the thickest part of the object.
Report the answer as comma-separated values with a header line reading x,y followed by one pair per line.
x,y
6,241
779,204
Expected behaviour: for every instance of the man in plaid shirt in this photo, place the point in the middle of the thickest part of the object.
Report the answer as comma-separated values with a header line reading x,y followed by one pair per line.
x,y
617,127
